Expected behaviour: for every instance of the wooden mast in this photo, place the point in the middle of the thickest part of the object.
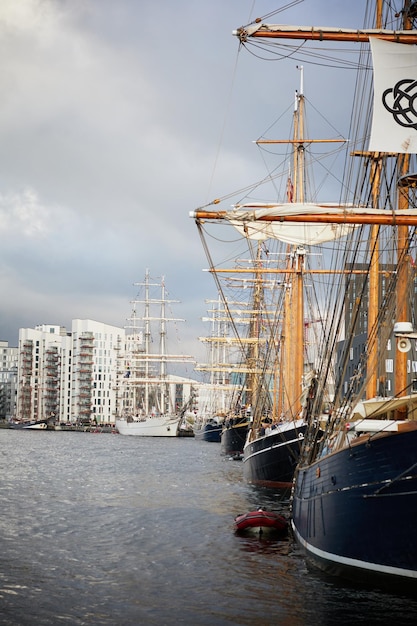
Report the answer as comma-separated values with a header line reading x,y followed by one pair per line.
x,y
292,339
373,297
403,281
252,358
403,262
298,258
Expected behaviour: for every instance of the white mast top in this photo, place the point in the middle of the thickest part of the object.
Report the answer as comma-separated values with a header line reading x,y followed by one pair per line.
x,y
301,68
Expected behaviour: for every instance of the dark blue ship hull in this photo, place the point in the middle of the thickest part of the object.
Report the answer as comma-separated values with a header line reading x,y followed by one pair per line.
x,y
272,459
355,511
211,431
233,439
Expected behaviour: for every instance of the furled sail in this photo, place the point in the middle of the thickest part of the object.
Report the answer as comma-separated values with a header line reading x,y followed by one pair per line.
x,y
263,221
394,124
249,220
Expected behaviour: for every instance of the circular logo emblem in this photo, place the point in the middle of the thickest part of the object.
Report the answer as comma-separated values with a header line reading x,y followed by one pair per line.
x,y
401,102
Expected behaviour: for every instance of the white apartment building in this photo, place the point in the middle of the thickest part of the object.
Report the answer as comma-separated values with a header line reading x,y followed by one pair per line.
x,y
94,367
8,380
40,371
68,376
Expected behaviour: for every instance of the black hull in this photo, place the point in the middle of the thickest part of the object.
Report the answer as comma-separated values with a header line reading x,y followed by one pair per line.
x,y
209,432
272,459
354,511
33,425
233,439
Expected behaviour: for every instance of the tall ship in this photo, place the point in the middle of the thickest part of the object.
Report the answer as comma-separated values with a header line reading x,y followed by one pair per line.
x,y
242,310
151,401
276,352
214,403
355,486
252,425
276,434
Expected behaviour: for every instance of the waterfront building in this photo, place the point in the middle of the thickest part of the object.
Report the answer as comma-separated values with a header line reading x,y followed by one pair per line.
x,y
67,376
94,370
8,380
73,376
40,372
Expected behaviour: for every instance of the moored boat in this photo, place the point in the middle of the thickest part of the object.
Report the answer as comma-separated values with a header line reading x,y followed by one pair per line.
x,y
355,486
233,436
158,426
364,495
276,362
271,457
259,521
210,431
149,398
29,424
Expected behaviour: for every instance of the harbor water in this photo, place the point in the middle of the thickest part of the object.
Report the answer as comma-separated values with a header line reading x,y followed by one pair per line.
x,y
113,530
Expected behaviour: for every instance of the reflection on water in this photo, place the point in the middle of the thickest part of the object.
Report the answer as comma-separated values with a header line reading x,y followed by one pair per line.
x,y
102,529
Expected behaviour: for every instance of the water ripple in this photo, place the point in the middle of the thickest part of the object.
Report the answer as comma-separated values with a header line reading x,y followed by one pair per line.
x,y
122,530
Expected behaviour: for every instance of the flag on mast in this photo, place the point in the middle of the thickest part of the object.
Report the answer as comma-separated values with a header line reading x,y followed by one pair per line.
x,y
394,123
290,190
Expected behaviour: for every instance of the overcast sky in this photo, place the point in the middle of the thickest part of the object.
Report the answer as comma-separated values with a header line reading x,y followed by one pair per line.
x,y
117,118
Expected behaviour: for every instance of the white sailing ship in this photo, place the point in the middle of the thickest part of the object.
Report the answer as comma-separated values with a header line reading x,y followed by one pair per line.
x,y
151,402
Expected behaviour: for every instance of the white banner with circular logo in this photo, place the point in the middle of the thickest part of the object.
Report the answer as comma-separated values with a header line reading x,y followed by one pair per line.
x,y
394,123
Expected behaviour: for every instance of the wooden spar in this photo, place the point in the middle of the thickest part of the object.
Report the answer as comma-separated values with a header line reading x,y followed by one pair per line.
x,y
245,340
388,219
236,370
297,141
314,33
288,270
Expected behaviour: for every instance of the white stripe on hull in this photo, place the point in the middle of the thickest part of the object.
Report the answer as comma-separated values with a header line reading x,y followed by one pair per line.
x,y
346,561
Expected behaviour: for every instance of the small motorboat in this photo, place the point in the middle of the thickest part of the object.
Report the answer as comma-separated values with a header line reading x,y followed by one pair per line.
x,y
261,520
